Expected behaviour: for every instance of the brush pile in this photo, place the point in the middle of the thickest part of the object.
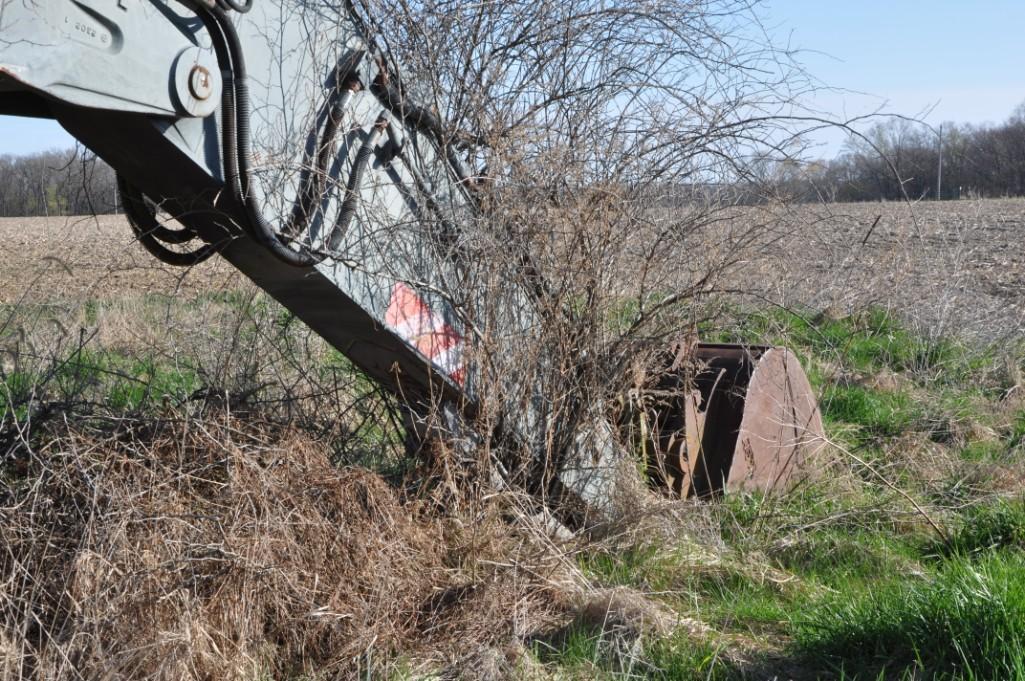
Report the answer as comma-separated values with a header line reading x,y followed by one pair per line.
x,y
215,548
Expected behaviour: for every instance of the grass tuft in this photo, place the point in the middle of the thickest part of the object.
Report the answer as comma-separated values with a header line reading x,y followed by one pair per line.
x,y
989,527
592,653
966,622
680,658
875,413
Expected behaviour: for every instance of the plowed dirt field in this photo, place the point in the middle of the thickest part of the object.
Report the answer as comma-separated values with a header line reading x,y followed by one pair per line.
x,y
68,259
955,267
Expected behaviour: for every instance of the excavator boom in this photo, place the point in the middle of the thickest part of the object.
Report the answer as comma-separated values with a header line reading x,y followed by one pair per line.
x,y
139,82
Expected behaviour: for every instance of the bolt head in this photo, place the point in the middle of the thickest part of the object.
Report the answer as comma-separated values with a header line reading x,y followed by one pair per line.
x,y
201,84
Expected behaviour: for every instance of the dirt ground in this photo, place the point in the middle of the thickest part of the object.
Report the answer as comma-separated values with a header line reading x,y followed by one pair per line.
x,y
956,268
65,259
950,268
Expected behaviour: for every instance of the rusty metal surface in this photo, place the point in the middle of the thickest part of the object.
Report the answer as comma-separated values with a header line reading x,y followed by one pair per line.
x,y
748,420
781,427
762,420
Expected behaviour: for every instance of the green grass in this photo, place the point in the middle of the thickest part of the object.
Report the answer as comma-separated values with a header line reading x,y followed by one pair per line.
x,y
1016,434
869,341
823,538
875,413
680,658
126,383
579,648
118,381
641,566
721,593
842,557
965,622
999,525
590,653
981,451
866,602
849,581
17,389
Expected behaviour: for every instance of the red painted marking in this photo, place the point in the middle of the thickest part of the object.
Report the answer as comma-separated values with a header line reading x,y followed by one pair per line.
x,y
416,323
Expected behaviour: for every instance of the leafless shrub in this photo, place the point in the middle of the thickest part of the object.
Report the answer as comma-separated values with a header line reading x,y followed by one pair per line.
x,y
605,144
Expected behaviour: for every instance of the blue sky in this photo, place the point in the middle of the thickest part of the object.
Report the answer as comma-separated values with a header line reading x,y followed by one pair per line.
x,y
963,60
966,60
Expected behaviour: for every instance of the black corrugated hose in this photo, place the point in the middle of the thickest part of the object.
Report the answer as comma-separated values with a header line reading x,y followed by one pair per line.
x,y
348,210
236,114
236,141
152,235
312,189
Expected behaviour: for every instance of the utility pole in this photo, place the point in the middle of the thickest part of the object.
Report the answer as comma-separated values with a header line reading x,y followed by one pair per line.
x,y
939,168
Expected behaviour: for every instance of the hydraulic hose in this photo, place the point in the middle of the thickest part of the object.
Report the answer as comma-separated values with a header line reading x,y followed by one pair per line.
x,y
241,8
237,134
170,236
348,209
147,229
237,151
313,185
419,117
235,114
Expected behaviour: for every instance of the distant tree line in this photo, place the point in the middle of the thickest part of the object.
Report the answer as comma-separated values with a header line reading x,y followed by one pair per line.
x,y
69,182
894,159
900,158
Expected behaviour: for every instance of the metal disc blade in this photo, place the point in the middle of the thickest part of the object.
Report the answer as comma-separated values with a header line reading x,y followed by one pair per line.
x,y
781,426
761,419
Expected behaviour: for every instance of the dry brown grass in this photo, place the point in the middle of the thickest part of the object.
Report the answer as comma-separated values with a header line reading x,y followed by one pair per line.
x,y
213,549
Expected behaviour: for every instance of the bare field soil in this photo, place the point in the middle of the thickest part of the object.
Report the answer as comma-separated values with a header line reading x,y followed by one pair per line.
x,y
80,258
951,268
